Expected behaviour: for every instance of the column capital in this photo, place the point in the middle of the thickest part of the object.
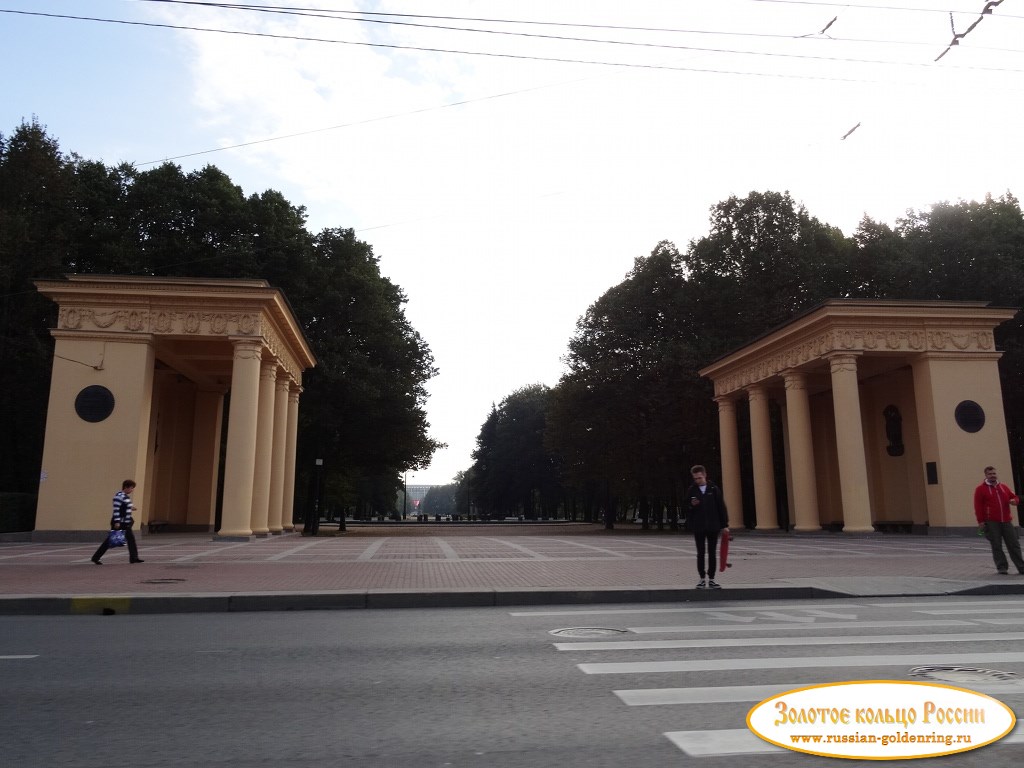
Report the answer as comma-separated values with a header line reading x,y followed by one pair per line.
x,y
268,370
795,379
247,349
842,361
757,392
726,403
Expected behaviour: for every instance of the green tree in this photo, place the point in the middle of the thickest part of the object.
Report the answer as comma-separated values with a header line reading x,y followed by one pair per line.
x,y
364,404
440,500
513,472
628,416
36,217
764,260
363,409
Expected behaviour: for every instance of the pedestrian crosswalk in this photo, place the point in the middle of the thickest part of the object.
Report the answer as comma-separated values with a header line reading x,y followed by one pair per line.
x,y
692,655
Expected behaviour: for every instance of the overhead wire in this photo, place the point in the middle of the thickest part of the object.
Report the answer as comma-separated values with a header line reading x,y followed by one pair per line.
x,y
362,16
554,59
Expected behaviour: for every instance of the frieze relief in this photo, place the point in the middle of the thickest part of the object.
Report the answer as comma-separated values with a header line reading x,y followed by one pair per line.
x,y
279,349
161,321
907,341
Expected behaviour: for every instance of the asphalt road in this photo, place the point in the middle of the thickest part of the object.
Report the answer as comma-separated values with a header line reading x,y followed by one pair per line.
x,y
473,687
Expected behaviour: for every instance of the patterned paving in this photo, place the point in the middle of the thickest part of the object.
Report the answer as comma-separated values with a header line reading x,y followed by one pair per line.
x,y
480,557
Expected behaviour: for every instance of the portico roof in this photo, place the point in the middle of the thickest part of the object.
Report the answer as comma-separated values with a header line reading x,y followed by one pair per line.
x,y
193,320
883,332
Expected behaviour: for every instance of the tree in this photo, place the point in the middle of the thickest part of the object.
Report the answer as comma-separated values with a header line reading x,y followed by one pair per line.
x,y
764,260
513,472
36,213
363,409
364,403
440,500
628,417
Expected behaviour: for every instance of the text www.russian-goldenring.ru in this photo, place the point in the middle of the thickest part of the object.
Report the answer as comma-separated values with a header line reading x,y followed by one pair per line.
x,y
885,740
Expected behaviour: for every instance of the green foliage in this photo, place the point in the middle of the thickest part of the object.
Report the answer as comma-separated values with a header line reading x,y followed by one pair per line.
x,y
440,500
363,410
513,472
631,414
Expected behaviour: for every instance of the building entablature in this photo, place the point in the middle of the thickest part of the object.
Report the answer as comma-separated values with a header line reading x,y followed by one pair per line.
x,y
883,334
218,311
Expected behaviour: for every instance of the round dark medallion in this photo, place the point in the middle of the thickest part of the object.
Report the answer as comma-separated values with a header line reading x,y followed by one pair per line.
x,y
970,416
94,403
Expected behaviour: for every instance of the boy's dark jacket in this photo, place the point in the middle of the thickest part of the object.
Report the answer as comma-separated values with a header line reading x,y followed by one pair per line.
x,y
710,514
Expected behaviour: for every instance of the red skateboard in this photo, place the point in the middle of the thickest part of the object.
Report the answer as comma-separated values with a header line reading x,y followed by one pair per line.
x,y
723,554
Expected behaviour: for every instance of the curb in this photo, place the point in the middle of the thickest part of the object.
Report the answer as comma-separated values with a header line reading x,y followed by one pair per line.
x,y
234,602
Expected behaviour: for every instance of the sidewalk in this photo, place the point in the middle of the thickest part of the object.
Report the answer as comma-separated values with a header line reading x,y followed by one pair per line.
x,y
394,565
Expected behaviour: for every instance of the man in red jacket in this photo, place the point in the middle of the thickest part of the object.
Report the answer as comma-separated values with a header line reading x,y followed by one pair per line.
x,y
992,501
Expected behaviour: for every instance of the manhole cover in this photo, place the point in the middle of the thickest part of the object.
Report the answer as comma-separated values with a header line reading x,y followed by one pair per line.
x,y
588,632
161,581
963,674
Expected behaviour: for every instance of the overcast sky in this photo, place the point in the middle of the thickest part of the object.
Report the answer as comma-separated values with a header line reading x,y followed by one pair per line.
x,y
506,178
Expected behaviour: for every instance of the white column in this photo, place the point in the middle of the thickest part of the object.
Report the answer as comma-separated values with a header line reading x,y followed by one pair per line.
x,y
732,486
240,462
801,450
764,464
264,449
288,491
277,461
853,470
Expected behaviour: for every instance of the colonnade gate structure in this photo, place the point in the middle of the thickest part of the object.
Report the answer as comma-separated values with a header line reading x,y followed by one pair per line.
x,y
890,411
141,372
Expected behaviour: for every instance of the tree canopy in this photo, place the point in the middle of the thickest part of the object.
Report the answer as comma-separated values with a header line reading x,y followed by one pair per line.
x,y
631,414
363,409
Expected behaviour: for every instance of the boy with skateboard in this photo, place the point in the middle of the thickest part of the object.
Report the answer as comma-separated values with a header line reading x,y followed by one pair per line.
x,y
706,517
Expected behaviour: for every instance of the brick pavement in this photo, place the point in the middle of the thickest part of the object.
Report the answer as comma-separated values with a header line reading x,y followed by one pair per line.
x,y
565,562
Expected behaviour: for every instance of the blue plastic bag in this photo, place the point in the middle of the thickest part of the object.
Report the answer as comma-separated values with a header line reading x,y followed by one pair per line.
x,y
116,538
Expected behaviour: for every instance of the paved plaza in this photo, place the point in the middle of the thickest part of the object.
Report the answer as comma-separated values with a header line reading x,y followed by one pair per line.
x,y
408,564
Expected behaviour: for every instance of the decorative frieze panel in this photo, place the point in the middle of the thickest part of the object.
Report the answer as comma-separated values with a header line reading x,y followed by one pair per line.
x,y
916,340
280,350
160,321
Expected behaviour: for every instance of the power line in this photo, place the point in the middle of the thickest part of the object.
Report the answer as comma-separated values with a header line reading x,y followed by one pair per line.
x,y
361,16
554,59
345,125
426,49
958,36
864,5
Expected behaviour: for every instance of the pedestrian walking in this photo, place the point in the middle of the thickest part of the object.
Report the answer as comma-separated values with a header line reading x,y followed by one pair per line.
x,y
123,520
706,517
992,502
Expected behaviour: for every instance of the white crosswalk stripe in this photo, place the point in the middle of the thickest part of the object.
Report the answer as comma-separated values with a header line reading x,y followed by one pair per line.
x,y
798,662
697,659
746,642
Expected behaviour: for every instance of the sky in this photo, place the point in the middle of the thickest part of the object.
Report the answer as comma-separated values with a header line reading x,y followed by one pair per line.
x,y
508,161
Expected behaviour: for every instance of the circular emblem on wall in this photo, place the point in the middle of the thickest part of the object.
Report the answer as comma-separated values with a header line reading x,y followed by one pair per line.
x,y
970,416
94,403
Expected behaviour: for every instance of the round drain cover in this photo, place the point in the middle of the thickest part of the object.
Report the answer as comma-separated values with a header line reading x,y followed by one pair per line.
x,y
963,674
588,632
